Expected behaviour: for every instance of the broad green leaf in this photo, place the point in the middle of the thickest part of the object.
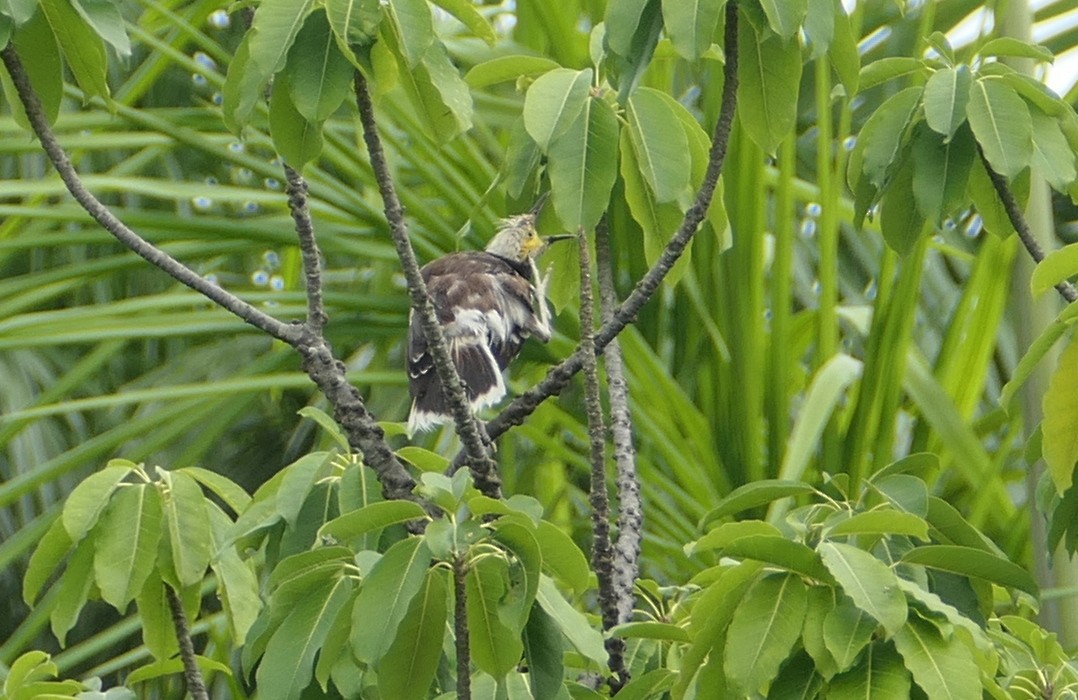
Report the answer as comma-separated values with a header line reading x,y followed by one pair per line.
x,y
922,463
820,26
770,76
237,584
780,551
785,16
582,164
505,68
50,551
385,595
296,571
7,28
622,20
81,46
847,630
1001,122
766,624
31,666
690,24
227,490
158,630
879,676
1052,156
127,539
1058,265
871,585
354,22
946,95
662,153
941,171
372,517
273,31
843,54
336,651
584,638
900,223
36,46
451,91
905,492
821,601
650,685
797,679
726,533
168,667
297,140
90,498
104,16
987,201
933,603
517,534
827,388
882,522
319,75
297,480
19,10
544,649
662,631
942,668
188,525
554,102
414,28
495,648
942,45
561,557
949,526
753,495
287,665
75,587
408,667
890,68
470,17
1009,46
244,86
882,136
968,561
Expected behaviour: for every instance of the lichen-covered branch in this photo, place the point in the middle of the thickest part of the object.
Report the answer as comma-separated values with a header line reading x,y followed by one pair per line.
x,y
312,266
476,442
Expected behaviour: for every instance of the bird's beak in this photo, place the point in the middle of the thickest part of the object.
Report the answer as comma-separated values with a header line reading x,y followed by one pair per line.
x,y
538,206
560,237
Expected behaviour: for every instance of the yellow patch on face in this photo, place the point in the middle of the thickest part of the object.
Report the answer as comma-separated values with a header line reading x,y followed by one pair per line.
x,y
531,244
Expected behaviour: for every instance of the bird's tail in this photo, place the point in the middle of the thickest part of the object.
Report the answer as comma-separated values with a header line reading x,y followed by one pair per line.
x,y
483,385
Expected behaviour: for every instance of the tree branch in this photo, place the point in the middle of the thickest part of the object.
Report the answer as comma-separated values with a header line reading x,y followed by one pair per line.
x,y
471,433
191,673
460,628
630,512
602,560
1018,220
557,379
312,268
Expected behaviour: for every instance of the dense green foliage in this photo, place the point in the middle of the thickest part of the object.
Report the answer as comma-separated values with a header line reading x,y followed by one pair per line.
x,y
831,395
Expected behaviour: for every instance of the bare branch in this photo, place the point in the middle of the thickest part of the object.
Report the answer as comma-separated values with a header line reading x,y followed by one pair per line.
x,y
460,628
191,673
1018,220
471,433
630,512
312,269
625,313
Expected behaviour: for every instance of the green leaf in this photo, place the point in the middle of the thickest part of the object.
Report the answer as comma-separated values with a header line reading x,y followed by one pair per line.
x,y
1052,156
882,136
942,668
168,667
158,631
946,96
408,667
495,648
827,388
650,685
662,631
81,46
1009,46
766,624
941,171
36,46
304,567
879,676
521,159
244,86
319,75
987,202
785,16
584,638
662,153
561,557
227,490
780,551
31,666
297,140
921,598
544,649
770,76
46,558
968,561
871,585
820,26
517,534
753,495
583,166
385,595
187,521
843,54
414,28
354,22
448,93
90,498
554,102
900,223
726,533
949,525
690,24
127,541
622,20
104,16
890,68
21,11
373,517
821,601
297,480
468,15
75,587
273,31
632,30
237,584
287,665
1058,265
847,630
1001,122
882,522
505,68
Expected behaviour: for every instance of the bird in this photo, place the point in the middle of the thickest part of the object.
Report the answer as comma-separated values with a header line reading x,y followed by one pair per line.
x,y
488,303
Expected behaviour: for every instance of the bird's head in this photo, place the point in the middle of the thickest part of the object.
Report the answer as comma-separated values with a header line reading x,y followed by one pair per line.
x,y
517,238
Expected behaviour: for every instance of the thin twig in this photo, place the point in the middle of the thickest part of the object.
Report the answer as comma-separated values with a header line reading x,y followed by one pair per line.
x,y
602,559
1018,220
471,432
460,628
630,511
312,267
558,377
191,673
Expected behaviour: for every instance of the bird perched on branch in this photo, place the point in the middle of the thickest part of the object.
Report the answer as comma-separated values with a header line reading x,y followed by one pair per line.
x,y
488,303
